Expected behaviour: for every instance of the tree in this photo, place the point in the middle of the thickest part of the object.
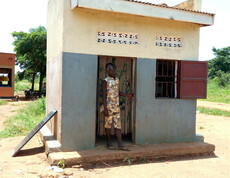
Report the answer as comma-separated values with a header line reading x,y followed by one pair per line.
x,y
219,67
220,63
30,51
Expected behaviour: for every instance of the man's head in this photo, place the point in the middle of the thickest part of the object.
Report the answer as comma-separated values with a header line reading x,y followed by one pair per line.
x,y
110,69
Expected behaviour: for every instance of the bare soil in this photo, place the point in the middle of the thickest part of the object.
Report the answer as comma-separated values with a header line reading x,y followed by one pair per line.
x,y
9,110
212,105
32,161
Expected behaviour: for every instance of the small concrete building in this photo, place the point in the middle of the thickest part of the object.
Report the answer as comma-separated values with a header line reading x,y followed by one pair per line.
x,y
7,65
154,49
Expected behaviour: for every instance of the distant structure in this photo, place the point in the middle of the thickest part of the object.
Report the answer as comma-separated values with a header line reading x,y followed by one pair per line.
x,y
7,67
155,50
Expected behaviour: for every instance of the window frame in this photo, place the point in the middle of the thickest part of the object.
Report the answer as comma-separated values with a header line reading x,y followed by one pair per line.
x,y
190,80
9,76
167,83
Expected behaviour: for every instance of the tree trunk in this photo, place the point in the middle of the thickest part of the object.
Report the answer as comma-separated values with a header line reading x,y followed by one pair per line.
x,y
33,79
40,83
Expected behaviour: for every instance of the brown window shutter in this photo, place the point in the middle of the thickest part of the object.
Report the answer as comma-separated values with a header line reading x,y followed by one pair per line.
x,y
193,79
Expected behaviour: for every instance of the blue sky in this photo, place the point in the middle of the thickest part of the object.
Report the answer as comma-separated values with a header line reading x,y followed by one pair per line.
x,y
21,15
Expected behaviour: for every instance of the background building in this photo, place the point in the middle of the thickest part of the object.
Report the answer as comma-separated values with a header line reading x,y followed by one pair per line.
x,y
7,65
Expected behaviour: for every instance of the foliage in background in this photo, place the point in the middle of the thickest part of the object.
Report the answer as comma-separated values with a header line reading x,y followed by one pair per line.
x,y
219,67
222,78
25,120
3,102
30,51
24,85
215,93
216,112
26,76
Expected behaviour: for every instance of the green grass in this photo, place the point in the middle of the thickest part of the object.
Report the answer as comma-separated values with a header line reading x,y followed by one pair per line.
x,y
24,85
216,112
215,93
25,120
3,102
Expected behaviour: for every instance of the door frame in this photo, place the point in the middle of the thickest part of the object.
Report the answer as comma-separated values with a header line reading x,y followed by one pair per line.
x,y
133,100
133,103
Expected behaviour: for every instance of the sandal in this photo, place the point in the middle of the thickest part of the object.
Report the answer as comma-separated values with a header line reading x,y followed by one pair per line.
x,y
123,148
111,147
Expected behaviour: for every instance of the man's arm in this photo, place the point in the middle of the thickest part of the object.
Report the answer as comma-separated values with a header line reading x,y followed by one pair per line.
x,y
104,97
126,95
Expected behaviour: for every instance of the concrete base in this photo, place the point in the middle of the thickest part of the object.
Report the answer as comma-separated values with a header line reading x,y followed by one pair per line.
x,y
48,139
102,154
156,151
199,138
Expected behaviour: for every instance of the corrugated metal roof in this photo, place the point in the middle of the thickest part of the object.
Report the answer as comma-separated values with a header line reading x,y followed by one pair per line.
x,y
166,6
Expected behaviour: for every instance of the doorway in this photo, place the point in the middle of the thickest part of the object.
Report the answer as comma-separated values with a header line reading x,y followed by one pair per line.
x,y
125,71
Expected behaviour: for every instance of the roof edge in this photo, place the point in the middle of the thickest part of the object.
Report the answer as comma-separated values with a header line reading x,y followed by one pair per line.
x,y
139,8
171,7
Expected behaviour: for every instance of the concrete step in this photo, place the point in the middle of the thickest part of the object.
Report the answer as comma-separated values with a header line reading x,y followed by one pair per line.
x,y
154,151
48,139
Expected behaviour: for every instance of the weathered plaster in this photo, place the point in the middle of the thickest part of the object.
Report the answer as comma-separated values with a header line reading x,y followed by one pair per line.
x,y
160,120
54,93
81,27
54,28
79,86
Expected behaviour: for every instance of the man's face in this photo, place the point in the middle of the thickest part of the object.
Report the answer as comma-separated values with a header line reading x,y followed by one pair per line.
x,y
110,70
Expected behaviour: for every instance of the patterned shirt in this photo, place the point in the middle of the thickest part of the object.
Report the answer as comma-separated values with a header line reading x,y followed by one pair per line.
x,y
112,94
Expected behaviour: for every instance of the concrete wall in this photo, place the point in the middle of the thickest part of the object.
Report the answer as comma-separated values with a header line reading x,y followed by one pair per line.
x,y
54,64
82,25
7,59
54,28
54,93
190,4
72,74
160,120
71,90
79,86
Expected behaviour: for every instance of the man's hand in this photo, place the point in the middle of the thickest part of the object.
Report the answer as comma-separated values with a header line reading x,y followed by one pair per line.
x,y
106,113
130,95
126,95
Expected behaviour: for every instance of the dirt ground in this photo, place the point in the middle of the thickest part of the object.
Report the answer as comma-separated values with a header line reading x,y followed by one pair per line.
x,y
9,110
207,104
32,161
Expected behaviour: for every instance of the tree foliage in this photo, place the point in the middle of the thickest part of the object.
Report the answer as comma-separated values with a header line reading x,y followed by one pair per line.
x,y
30,51
219,67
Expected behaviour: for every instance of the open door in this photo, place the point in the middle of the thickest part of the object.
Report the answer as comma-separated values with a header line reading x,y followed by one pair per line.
x,y
124,70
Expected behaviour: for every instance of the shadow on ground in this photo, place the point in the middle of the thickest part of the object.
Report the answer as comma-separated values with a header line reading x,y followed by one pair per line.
x,y
31,151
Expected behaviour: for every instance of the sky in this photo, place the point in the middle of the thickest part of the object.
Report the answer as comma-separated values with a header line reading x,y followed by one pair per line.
x,y
21,15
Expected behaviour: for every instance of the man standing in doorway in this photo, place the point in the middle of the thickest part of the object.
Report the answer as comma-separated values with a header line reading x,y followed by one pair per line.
x,y
110,93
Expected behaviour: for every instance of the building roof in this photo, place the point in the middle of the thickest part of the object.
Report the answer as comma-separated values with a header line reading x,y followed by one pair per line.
x,y
166,6
7,53
147,9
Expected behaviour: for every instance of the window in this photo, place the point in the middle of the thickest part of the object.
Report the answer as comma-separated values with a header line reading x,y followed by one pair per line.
x,y
5,77
181,79
166,79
